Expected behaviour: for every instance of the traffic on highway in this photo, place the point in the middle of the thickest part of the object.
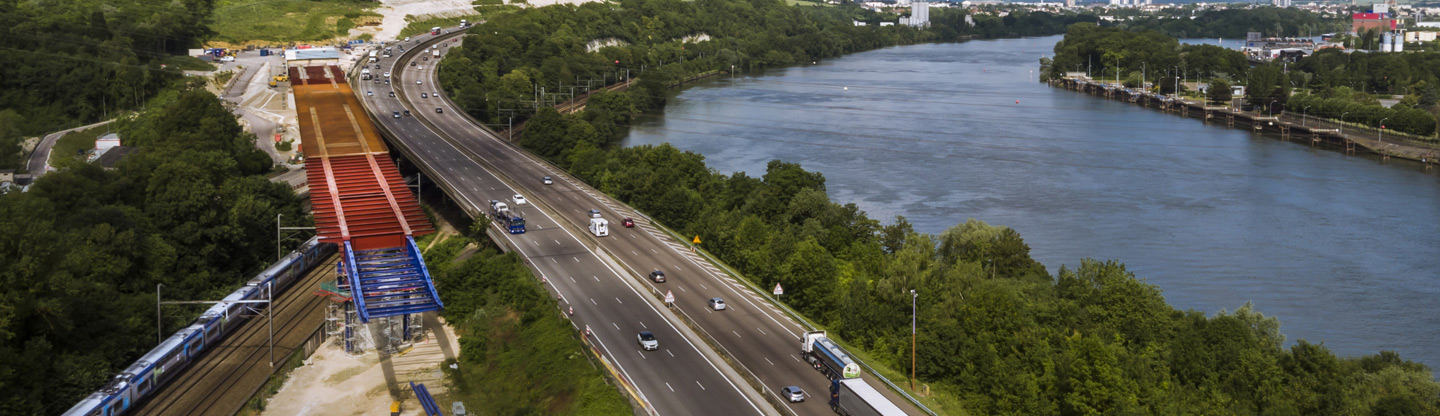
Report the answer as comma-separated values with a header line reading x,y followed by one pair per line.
x,y
764,342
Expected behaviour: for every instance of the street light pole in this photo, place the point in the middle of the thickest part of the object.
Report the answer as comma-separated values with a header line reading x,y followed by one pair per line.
x,y
913,297
1342,122
1382,129
1271,107
1304,114
159,333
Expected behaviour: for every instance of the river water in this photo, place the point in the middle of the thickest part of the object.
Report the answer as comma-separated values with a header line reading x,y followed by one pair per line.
x,y
1343,249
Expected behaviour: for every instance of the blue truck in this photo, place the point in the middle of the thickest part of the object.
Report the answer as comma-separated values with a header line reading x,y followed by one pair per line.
x,y
827,357
510,221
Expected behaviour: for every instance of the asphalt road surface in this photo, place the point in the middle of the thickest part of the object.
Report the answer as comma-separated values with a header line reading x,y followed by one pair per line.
x,y
765,341
682,377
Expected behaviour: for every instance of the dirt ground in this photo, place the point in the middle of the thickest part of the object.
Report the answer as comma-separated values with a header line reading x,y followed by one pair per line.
x,y
395,11
335,383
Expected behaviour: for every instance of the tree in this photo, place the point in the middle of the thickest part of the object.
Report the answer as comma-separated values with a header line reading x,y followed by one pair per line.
x,y
1219,92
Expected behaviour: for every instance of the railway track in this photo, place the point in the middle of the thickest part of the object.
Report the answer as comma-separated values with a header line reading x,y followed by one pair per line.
x,y
228,374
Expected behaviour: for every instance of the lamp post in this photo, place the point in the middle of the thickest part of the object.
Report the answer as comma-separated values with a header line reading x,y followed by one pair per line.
x,y
1304,113
1342,122
1271,107
1382,129
1177,81
913,297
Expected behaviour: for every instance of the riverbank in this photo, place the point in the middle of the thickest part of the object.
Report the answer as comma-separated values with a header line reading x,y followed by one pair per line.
x,y
1319,132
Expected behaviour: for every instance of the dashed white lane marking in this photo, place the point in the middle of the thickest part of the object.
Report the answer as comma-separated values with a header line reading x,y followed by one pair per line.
x,y
597,278
737,334
642,354
572,279
767,359
797,359
617,326
592,302
618,300
672,389
667,351
702,386
642,325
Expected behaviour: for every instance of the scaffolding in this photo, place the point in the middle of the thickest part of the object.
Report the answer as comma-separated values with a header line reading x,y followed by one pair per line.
x,y
386,336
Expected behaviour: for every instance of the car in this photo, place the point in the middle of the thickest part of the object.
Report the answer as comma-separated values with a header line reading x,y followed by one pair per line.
x,y
657,276
519,199
387,82
793,394
627,222
392,93
420,67
412,63
377,66
426,58
417,82
377,81
397,114
547,180
594,213
717,304
438,110
424,95
407,38
647,341
407,113
369,93
387,74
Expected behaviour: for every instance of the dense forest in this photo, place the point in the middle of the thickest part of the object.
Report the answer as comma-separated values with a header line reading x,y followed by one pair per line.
x,y
1329,83
1000,333
660,42
85,247
1235,23
71,62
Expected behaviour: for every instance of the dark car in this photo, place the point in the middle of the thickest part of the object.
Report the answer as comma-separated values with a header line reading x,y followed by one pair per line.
x,y
392,93
438,110
424,95
657,276
412,63
397,114
407,113
628,223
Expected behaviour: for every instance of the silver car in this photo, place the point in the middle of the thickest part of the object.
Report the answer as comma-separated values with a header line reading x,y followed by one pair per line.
x,y
793,394
647,341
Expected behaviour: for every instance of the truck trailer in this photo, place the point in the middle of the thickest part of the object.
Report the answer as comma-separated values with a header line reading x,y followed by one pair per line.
x,y
827,357
510,221
855,397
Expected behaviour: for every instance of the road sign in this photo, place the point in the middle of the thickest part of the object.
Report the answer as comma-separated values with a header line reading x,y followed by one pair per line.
x,y
669,296
697,240
778,290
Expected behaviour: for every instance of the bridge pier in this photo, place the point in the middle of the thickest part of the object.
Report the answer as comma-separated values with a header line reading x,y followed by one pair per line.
x,y
1284,132
1349,146
1230,120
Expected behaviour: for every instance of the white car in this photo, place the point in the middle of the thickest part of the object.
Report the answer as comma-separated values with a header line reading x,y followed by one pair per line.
x,y
793,393
420,67
717,304
417,82
519,199
547,180
387,74
647,341
369,93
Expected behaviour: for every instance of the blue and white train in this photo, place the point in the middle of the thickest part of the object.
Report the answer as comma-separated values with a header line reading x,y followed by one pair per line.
x,y
144,377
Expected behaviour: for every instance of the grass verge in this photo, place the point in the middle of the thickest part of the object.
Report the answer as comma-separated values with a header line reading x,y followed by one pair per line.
x,y
517,354
187,63
281,21
67,149
415,27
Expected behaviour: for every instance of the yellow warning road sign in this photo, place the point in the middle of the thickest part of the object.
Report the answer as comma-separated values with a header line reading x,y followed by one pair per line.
x,y
697,240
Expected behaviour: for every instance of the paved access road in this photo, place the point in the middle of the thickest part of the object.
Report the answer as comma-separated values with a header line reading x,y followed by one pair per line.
x,y
39,162
765,341
682,377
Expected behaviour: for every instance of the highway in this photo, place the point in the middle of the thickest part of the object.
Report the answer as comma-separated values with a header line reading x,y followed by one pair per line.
x,y
764,341
682,377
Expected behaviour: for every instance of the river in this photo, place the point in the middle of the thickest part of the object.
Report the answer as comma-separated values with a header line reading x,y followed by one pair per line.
x,y
1343,249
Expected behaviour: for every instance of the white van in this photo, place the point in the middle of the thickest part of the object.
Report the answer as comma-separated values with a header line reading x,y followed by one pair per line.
x,y
599,227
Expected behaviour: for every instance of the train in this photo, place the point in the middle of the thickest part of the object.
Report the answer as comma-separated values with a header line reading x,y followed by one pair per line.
x,y
144,377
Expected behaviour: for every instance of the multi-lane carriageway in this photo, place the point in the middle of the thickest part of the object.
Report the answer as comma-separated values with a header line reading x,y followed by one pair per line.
x,y
600,277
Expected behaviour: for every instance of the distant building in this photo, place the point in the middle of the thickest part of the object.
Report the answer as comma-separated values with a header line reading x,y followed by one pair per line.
x,y
113,156
1280,3
919,15
1361,22
102,145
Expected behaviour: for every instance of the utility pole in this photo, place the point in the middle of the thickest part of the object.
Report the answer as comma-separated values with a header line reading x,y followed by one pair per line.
x,y
279,254
913,297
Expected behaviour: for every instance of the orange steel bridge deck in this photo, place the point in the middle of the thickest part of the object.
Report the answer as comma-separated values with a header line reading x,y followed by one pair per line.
x,y
357,192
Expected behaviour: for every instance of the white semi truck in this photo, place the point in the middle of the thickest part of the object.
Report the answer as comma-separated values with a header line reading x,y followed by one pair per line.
x,y
855,397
